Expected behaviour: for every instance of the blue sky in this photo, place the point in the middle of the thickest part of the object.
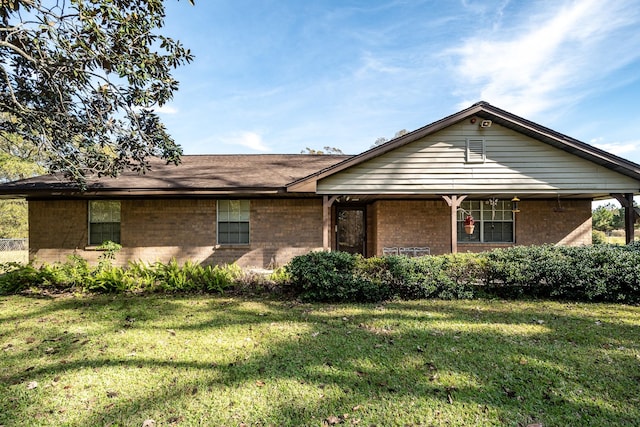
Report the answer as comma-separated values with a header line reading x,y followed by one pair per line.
x,y
278,76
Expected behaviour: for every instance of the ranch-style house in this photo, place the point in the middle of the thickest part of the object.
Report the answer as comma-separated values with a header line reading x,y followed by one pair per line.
x,y
481,178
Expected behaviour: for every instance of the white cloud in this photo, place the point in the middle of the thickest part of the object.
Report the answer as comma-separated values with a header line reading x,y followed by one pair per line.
x,y
247,139
166,109
531,68
617,148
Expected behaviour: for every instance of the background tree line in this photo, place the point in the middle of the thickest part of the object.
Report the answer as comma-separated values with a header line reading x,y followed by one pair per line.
x,y
608,217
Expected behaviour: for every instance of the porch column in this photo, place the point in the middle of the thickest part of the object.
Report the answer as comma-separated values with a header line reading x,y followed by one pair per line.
x,y
626,200
327,202
454,202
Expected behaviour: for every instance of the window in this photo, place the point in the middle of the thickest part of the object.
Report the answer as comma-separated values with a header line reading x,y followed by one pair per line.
x,y
494,222
233,222
104,221
475,152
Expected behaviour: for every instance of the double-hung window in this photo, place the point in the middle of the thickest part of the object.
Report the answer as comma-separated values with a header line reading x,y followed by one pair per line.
x,y
233,222
494,221
104,221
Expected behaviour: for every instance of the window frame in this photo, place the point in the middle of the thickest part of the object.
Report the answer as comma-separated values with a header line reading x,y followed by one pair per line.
x,y
482,213
91,224
244,217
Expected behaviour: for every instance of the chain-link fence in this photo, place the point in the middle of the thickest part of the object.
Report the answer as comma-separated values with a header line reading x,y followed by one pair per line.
x,y
14,245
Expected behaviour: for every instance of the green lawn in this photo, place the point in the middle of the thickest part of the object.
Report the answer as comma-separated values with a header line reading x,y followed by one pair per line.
x,y
222,361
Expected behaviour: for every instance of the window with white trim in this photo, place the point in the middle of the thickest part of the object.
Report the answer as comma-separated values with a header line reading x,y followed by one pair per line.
x,y
475,150
104,221
233,222
494,221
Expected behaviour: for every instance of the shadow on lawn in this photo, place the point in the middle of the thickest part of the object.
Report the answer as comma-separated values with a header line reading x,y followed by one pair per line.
x,y
435,356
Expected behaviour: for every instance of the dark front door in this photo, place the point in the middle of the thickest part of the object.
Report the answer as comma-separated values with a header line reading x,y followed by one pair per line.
x,y
351,234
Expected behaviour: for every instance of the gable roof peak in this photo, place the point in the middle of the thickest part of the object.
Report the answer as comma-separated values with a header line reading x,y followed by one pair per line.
x,y
481,104
502,117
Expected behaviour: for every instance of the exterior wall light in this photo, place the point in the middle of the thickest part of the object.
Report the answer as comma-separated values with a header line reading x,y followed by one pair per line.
x,y
515,207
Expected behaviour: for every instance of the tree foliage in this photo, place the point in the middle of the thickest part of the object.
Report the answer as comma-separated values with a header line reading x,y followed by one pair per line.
x,y
80,79
607,217
382,139
326,150
18,160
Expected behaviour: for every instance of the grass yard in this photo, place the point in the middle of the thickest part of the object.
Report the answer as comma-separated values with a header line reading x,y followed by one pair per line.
x,y
222,361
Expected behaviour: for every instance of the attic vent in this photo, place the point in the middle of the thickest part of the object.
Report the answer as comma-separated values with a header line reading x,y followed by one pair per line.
x,y
475,150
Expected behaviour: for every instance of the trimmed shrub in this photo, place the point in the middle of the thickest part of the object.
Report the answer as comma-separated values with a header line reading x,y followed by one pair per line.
x,y
323,276
339,276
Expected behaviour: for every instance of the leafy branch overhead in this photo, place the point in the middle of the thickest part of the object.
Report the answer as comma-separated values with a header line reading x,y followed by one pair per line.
x,y
80,80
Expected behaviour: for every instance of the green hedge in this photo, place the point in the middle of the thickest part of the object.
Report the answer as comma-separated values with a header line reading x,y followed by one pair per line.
x,y
588,273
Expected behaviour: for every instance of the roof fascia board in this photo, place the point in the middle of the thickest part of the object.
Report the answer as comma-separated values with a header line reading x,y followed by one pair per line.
x,y
138,193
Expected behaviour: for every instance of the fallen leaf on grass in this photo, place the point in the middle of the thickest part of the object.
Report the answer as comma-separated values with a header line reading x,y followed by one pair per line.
x,y
260,383
171,331
332,420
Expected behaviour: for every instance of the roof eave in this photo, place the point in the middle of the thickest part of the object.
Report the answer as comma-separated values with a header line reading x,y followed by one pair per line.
x,y
144,192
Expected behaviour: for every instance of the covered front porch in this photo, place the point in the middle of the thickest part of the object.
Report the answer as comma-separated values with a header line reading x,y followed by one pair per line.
x,y
378,225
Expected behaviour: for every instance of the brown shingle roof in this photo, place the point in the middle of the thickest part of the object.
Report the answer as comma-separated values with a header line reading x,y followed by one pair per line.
x,y
196,174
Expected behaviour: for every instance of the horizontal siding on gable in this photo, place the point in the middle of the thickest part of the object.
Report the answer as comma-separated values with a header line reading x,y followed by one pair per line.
x,y
514,163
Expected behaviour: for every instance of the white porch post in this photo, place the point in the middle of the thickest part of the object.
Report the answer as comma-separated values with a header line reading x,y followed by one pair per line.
x,y
327,202
454,202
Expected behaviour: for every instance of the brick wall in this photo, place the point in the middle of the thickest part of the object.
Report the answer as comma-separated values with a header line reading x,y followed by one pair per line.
x,y
412,223
427,223
279,230
546,221
57,224
158,230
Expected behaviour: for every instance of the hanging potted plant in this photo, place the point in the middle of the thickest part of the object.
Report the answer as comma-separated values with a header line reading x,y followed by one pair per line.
x,y
469,224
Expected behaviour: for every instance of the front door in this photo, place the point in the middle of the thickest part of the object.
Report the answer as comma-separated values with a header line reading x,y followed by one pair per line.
x,y
351,230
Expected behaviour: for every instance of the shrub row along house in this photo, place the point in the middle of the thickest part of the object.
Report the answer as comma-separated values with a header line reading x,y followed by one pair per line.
x,y
514,181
